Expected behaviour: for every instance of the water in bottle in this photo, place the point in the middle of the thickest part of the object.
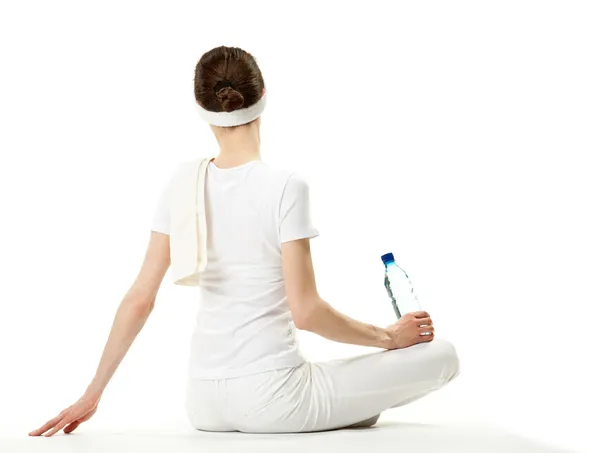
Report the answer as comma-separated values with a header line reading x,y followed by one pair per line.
x,y
399,287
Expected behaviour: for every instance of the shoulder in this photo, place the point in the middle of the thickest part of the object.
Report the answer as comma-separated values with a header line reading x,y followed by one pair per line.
x,y
296,180
283,177
294,189
190,164
186,170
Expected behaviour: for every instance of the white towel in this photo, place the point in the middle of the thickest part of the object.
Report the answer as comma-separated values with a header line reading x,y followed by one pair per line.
x,y
188,222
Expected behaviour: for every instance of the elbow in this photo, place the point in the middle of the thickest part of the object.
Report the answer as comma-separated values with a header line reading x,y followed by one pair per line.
x,y
140,306
306,316
301,322
139,301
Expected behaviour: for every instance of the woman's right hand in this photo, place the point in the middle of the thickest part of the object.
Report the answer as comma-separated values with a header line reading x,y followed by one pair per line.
x,y
71,417
409,330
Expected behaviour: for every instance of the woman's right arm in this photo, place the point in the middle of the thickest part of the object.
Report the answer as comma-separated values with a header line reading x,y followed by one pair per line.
x,y
133,311
310,312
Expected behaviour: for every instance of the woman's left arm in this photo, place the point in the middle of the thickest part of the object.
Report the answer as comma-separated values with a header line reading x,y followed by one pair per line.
x,y
134,310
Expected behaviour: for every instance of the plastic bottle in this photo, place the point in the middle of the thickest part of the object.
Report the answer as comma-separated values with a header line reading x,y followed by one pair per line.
x,y
399,287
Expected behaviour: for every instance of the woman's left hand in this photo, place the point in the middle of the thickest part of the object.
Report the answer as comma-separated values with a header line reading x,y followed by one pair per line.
x,y
71,417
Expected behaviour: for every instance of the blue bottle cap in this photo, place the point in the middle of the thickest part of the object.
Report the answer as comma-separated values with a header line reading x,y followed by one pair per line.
x,y
387,258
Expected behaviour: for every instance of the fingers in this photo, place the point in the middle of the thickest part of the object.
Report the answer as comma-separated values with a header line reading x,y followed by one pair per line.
x,y
423,329
49,424
420,314
426,338
60,425
423,321
70,428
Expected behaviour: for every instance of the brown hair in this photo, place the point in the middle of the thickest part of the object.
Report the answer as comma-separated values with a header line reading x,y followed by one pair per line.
x,y
227,79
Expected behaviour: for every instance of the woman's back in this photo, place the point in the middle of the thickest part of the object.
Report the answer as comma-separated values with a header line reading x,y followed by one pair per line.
x,y
244,325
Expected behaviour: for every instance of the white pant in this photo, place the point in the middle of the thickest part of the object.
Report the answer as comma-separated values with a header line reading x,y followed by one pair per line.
x,y
322,396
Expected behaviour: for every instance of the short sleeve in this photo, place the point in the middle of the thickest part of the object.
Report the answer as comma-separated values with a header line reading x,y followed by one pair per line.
x,y
294,214
161,221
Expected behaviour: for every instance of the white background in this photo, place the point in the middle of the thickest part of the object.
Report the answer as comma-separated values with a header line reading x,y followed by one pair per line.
x,y
462,136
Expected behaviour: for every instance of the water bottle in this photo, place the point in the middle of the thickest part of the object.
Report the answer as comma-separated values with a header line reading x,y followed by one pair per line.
x,y
399,287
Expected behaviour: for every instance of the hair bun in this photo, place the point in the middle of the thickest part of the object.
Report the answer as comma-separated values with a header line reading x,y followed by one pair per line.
x,y
230,99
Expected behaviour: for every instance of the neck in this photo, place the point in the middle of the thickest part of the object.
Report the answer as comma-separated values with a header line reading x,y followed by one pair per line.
x,y
237,145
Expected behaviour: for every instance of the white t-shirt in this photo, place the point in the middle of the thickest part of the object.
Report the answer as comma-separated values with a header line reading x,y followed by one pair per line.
x,y
244,325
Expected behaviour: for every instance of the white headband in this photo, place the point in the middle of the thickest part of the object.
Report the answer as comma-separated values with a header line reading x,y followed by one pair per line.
x,y
235,118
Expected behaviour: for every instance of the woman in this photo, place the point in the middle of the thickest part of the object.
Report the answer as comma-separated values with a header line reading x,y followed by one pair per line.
x,y
246,371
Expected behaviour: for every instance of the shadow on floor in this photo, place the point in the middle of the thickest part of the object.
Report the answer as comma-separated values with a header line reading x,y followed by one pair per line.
x,y
401,437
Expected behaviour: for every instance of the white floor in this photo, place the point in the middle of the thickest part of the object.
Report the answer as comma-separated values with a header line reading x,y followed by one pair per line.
x,y
463,418
491,408
408,437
